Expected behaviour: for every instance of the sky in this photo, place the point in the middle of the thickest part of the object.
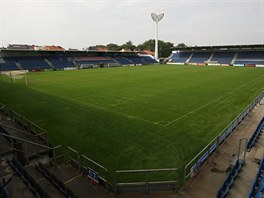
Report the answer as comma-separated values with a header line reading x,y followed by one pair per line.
x,y
83,23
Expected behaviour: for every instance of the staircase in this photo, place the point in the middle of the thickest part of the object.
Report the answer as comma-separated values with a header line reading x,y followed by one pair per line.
x,y
49,63
188,60
211,57
28,167
234,59
19,66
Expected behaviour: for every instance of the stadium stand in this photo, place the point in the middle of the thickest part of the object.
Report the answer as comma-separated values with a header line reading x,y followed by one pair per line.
x,y
35,178
123,61
250,57
256,134
35,60
223,57
200,57
93,60
56,182
257,187
60,62
224,189
135,59
27,179
7,64
31,63
180,57
148,60
237,55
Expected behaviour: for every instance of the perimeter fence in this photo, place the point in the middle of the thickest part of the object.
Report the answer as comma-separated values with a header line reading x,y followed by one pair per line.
x,y
194,165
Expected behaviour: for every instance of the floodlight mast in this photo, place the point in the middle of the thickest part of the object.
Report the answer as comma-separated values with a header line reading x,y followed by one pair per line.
x,y
157,18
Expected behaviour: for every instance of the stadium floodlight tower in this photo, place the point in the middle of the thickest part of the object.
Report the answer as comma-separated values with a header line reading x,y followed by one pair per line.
x,y
157,18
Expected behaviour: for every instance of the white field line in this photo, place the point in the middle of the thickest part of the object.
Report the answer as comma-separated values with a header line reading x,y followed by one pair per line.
x,y
121,114
212,101
98,107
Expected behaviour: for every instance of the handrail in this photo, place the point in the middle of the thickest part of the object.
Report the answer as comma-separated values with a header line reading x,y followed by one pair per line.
x,y
20,150
17,114
26,141
80,163
38,127
99,165
146,183
25,122
18,130
147,170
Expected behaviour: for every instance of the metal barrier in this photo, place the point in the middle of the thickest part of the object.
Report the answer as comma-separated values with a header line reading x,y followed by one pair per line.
x,y
25,123
193,167
83,164
30,149
147,184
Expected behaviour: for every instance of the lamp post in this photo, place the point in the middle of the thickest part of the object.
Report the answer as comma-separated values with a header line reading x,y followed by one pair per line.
x,y
157,17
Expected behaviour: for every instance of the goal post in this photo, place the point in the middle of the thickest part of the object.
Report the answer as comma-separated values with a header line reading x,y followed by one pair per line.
x,y
16,75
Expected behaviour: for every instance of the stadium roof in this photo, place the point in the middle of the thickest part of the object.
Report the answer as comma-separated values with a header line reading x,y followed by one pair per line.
x,y
222,47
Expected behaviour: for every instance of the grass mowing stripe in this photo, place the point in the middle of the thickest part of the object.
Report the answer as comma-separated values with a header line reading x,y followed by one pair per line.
x,y
101,112
214,100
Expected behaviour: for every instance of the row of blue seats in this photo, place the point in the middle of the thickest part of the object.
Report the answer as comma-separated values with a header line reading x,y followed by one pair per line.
x,y
245,62
27,179
123,61
224,189
148,59
56,182
42,62
251,55
255,135
219,57
60,62
135,59
258,184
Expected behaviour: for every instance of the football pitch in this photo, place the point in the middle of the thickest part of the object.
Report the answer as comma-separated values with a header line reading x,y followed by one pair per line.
x,y
135,117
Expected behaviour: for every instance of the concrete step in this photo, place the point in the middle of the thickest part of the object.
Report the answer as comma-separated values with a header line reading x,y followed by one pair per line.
x,y
81,185
44,183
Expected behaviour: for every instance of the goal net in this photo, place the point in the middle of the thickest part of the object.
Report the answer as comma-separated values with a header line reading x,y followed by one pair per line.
x,y
16,75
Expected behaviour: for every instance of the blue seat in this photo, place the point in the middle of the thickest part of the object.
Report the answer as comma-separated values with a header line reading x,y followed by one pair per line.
x,y
224,189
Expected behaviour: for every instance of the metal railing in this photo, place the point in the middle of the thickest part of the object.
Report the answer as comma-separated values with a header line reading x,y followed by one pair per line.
x,y
146,184
83,163
25,123
28,148
193,167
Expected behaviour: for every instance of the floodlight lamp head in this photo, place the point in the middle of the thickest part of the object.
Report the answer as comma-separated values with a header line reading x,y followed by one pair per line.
x,y
157,17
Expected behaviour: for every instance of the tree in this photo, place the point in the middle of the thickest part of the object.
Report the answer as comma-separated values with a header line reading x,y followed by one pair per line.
x,y
96,46
165,48
181,45
113,47
128,45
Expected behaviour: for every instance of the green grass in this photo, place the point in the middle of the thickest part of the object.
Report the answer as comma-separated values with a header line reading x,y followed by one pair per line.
x,y
135,117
